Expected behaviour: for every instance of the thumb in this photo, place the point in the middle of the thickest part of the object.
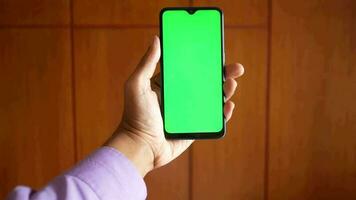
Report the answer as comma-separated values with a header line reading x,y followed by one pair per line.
x,y
146,68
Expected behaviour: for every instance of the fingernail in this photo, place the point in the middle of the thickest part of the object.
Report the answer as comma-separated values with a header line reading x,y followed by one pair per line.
x,y
151,45
154,40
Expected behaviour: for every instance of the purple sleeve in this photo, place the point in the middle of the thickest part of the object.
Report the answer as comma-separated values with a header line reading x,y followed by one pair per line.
x,y
105,174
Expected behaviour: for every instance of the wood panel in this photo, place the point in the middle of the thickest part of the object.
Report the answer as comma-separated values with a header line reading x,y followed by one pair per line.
x,y
14,12
313,92
233,167
170,181
104,59
36,128
240,12
113,12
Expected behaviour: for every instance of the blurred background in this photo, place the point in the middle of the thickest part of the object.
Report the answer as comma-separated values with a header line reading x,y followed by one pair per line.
x,y
63,64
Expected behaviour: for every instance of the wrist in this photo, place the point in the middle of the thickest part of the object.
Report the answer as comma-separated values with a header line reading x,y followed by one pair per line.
x,y
134,148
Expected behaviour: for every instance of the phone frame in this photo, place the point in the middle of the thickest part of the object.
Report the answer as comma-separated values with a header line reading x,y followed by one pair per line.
x,y
195,135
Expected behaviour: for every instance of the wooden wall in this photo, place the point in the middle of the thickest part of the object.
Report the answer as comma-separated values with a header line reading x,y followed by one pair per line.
x,y
63,64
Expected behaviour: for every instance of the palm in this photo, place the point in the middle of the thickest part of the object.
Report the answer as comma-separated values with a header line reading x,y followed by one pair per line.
x,y
142,115
142,111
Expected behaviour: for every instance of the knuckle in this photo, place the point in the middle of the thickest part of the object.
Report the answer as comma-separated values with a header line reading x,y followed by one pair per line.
x,y
129,84
132,84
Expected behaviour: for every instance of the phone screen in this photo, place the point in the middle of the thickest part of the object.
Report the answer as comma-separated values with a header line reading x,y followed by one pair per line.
x,y
192,71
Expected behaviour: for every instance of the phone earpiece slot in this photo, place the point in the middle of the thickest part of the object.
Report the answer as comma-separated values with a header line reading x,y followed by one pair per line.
x,y
191,11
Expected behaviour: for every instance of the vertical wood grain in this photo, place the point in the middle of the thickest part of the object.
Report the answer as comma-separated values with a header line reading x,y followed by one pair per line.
x,y
240,12
313,92
312,117
113,12
34,12
36,136
233,167
104,59
170,181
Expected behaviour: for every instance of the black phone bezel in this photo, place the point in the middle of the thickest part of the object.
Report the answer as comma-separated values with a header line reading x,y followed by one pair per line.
x,y
202,135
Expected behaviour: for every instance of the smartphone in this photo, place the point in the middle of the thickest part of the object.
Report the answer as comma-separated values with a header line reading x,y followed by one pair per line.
x,y
192,61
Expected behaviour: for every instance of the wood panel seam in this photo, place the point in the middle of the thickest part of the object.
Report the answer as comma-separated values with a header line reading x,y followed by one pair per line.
x,y
74,102
268,88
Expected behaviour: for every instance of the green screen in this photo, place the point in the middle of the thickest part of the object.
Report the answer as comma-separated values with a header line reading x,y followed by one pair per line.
x,y
192,71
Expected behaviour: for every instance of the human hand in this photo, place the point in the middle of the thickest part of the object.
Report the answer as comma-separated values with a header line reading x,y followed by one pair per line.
x,y
140,134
